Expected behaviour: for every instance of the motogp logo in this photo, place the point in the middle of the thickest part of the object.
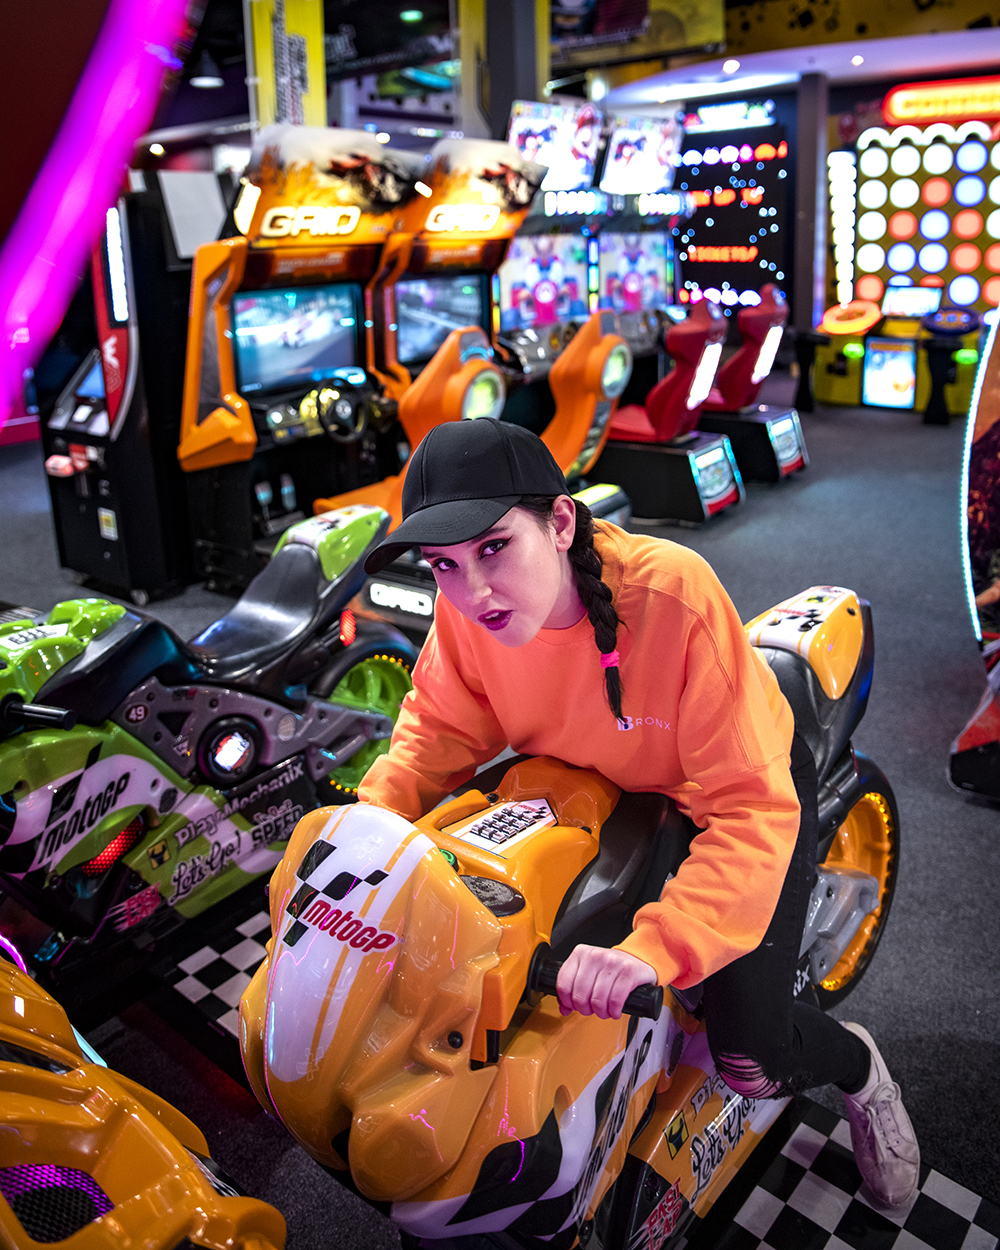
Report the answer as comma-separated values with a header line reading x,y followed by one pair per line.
x,y
468,218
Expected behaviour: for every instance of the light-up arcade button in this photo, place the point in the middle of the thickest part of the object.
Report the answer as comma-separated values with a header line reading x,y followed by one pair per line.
x,y
855,317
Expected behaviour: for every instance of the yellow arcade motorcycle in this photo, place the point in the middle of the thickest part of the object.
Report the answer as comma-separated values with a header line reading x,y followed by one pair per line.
x,y
403,1026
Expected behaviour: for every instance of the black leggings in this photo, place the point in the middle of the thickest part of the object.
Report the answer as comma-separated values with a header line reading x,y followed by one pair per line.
x,y
765,1042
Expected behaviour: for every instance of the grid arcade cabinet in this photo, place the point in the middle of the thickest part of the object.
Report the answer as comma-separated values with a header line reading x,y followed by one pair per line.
x,y
767,441
668,469
291,379
110,431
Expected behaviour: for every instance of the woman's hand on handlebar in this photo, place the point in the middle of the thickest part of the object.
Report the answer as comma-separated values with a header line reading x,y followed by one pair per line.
x,y
595,981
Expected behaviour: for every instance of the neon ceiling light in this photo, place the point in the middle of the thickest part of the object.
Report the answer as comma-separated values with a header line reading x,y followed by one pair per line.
x,y
46,251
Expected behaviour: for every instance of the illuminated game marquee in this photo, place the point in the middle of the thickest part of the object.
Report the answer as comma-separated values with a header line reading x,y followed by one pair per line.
x,y
735,241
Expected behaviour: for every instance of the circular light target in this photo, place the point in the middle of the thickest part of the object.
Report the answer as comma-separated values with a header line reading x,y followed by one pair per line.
x,y
904,193
994,191
872,194
933,257
870,287
966,257
906,160
992,258
938,158
963,291
874,162
993,224
970,191
935,224
968,224
936,192
995,158
971,157
991,291
871,225
870,258
901,257
902,225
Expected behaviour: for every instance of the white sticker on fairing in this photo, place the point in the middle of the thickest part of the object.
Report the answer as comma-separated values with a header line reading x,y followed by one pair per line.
x,y
586,1145
304,999
63,812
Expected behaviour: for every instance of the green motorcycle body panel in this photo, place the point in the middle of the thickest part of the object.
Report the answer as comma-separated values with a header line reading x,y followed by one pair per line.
x,y
339,538
32,653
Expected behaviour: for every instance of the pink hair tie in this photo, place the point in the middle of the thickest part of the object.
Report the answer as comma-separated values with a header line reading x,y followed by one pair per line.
x,y
609,659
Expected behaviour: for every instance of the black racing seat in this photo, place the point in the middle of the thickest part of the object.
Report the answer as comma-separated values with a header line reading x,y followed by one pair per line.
x,y
826,724
276,611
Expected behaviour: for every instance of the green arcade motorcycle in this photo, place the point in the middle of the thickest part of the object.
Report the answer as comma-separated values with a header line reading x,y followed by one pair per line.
x,y
144,778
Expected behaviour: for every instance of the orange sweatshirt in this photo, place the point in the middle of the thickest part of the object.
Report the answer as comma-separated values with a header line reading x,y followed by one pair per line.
x,y
705,723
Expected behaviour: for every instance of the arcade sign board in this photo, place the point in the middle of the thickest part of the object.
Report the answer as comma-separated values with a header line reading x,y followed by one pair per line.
x,y
963,99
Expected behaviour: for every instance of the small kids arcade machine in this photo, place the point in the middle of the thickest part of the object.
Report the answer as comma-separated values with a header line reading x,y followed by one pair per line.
x,y
767,441
290,381
110,428
667,468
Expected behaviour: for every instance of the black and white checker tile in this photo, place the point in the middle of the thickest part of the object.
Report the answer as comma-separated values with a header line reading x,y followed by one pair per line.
x,y
808,1192
214,977
809,1197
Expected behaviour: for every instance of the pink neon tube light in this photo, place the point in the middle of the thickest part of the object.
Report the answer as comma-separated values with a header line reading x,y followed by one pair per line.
x,y
45,254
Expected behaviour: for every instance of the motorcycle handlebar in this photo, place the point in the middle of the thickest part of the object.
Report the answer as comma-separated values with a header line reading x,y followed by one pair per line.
x,y
18,715
646,1001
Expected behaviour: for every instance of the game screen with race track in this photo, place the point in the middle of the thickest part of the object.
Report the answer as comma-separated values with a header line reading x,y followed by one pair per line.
x,y
294,336
428,309
543,280
636,271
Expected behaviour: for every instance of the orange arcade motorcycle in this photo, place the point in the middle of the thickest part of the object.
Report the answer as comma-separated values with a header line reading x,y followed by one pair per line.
x,y
404,1029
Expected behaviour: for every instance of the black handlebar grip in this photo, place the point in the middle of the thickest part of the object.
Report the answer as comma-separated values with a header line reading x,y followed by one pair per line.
x,y
40,716
645,1001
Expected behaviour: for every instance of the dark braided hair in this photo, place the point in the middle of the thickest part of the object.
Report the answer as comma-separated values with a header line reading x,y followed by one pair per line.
x,y
594,593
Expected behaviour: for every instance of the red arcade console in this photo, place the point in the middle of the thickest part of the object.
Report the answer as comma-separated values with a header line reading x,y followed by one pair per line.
x,y
670,470
767,441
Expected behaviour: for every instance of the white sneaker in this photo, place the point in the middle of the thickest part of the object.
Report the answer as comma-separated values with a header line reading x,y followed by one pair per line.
x,y
885,1146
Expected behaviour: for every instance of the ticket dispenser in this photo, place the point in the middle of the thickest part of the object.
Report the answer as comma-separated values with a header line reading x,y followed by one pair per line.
x,y
290,382
668,469
767,441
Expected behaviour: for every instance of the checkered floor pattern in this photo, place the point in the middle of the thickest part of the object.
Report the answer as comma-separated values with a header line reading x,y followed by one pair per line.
x,y
215,976
807,1195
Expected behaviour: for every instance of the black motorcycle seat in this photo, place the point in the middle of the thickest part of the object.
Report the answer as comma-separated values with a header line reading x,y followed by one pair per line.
x,y
276,611
826,724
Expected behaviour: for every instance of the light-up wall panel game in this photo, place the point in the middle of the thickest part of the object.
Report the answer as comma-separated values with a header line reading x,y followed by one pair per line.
x,y
918,206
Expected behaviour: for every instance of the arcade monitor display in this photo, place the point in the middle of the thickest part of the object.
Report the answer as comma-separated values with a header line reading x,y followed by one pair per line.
x,y
911,301
543,280
564,137
636,271
889,379
642,155
429,308
292,336
735,242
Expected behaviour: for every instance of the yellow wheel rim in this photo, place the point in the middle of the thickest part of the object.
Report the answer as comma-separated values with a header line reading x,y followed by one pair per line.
x,y
864,841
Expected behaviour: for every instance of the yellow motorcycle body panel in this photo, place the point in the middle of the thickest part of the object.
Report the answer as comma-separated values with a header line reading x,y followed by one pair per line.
x,y
822,624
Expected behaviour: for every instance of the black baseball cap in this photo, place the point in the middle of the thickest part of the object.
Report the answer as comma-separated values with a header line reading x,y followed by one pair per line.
x,y
462,478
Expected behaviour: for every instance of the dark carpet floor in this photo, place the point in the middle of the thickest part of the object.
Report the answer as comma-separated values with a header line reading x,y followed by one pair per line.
x,y
877,510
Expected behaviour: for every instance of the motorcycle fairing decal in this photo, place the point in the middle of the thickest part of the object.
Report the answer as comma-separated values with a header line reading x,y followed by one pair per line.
x,y
81,803
587,1135
310,976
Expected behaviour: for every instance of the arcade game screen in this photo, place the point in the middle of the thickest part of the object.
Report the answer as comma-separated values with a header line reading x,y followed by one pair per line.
x,y
642,155
911,301
564,137
289,336
543,280
428,309
735,242
636,271
889,379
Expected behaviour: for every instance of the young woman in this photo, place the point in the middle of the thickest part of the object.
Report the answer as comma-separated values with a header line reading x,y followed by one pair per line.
x,y
566,637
